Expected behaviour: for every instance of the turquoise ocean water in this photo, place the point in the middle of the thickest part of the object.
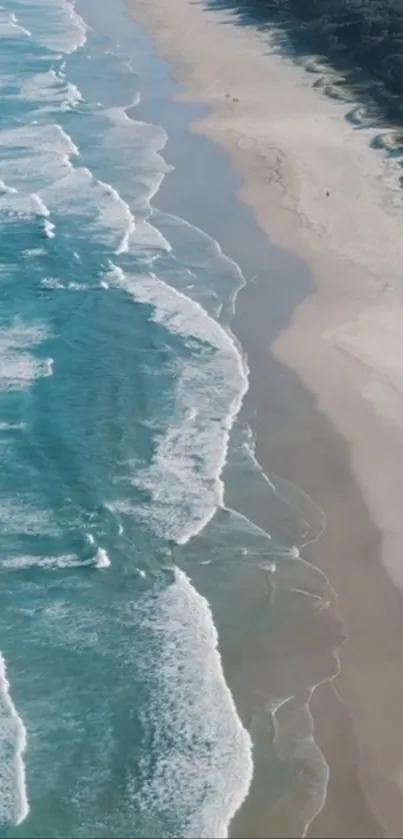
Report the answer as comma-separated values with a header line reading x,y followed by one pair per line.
x,y
139,537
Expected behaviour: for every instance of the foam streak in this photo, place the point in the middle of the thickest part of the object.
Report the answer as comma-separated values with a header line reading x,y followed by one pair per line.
x,y
14,806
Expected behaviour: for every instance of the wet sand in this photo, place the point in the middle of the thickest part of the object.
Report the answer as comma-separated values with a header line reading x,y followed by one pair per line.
x,y
335,427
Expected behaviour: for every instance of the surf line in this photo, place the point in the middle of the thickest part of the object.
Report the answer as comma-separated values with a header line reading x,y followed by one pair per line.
x,y
14,806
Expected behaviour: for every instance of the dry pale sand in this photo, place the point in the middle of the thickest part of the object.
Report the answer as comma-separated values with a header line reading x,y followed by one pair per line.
x,y
292,145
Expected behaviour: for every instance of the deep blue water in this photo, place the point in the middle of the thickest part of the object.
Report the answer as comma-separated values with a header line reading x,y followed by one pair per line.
x,y
133,514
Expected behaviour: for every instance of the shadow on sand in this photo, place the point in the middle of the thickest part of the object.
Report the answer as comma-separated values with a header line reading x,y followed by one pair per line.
x,y
372,106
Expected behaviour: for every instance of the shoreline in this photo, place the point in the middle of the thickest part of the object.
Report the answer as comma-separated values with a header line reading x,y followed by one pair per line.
x,y
195,158
329,345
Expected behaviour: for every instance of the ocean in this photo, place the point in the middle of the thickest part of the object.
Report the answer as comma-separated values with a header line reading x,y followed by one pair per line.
x,y
145,555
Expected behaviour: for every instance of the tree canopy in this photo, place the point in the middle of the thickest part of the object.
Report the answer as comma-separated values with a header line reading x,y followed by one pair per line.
x,y
368,32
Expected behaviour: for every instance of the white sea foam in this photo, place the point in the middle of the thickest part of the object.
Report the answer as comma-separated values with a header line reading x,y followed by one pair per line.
x,y
14,806
5,188
72,286
203,749
200,259
184,477
54,24
51,283
52,563
54,284
10,26
113,210
50,89
134,148
18,366
35,252
42,209
49,229
148,138
37,138
21,30
93,205
35,155
102,559
24,517
55,563
147,241
16,205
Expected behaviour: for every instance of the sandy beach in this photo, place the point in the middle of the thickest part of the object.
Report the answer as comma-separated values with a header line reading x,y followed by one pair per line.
x,y
318,188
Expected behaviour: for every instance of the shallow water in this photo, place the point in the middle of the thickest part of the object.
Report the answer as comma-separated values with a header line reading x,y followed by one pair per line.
x,y
135,519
